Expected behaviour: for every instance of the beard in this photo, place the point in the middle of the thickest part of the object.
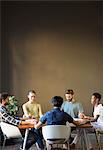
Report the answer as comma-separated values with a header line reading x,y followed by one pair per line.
x,y
70,99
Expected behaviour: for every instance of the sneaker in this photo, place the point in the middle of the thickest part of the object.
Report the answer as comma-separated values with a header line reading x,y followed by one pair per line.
x,y
20,147
91,148
65,146
71,140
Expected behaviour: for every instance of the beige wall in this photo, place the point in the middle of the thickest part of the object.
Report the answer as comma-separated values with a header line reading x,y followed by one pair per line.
x,y
55,47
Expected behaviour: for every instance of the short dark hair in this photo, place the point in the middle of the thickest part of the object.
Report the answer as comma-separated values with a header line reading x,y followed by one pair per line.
x,y
69,91
97,95
3,96
57,101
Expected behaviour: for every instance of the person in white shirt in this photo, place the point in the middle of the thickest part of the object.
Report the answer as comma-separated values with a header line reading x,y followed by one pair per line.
x,y
97,107
100,118
95,101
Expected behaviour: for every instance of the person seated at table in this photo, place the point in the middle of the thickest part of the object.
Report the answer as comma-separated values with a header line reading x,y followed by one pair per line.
x,y
71,106
100,119
6,117
56,116
75,110
32,109
97,106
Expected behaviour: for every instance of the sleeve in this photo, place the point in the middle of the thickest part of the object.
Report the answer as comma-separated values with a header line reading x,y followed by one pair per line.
x,y
7,118
69,118
43,119
40,111
62,107
98,110
80,108
101,115
25,110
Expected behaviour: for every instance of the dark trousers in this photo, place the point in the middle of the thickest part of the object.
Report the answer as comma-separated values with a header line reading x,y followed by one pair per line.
x,y
31,139
40,138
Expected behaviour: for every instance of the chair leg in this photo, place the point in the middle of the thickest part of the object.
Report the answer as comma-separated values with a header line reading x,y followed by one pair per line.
x,y
4,143
49,146
97,134
68,146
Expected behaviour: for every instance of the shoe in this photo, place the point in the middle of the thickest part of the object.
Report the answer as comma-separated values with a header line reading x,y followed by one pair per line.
x,y
65,146
71,140
91,148
20,147
72,145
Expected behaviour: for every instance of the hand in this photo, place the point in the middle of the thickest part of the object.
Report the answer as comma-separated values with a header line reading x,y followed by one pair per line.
x,y
83,121
32,121
87,117
81,115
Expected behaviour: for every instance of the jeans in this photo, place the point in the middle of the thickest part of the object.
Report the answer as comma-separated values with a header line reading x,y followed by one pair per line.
x,y
31,139
40,138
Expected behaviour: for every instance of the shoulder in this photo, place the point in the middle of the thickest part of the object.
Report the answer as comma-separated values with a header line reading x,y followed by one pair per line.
x,y
99,106
38,104
25,104
65,102
46,114
77,103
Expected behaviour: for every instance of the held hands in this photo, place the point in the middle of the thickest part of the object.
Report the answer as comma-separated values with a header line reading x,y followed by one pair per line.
x,y
32,121
82,116
88,117
82,121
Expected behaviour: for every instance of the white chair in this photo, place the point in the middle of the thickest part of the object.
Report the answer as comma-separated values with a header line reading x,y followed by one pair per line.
x,y
56,134
10,131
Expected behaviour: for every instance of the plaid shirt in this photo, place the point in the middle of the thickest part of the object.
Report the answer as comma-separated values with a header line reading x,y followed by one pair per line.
x,y
6,117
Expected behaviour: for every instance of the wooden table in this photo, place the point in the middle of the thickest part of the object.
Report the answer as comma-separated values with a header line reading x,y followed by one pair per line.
x,y
84,137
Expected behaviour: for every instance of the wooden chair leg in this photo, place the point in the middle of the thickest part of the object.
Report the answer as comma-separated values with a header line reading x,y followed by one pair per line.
x,y
97,133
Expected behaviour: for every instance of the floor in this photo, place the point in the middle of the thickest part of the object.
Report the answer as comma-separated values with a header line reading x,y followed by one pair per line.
x,y
11,146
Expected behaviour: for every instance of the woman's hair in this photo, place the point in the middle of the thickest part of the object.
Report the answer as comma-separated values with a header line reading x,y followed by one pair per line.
x,y
3,96
57,101
31,91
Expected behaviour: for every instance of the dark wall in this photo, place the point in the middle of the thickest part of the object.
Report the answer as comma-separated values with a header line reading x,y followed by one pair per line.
x,y
51,46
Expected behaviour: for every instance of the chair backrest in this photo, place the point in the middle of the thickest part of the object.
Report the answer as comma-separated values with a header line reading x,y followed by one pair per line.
x,y
51,132
10,131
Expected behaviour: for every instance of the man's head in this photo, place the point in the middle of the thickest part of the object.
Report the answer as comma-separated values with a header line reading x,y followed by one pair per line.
x,y
4,98
69,94
57,101
95,99
31,95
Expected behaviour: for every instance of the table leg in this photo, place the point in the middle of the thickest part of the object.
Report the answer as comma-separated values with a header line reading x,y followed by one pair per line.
x,y
86,139
25,138
82,139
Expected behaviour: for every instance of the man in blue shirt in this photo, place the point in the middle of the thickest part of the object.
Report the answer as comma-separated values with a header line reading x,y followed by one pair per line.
x,y
73,108
56,116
